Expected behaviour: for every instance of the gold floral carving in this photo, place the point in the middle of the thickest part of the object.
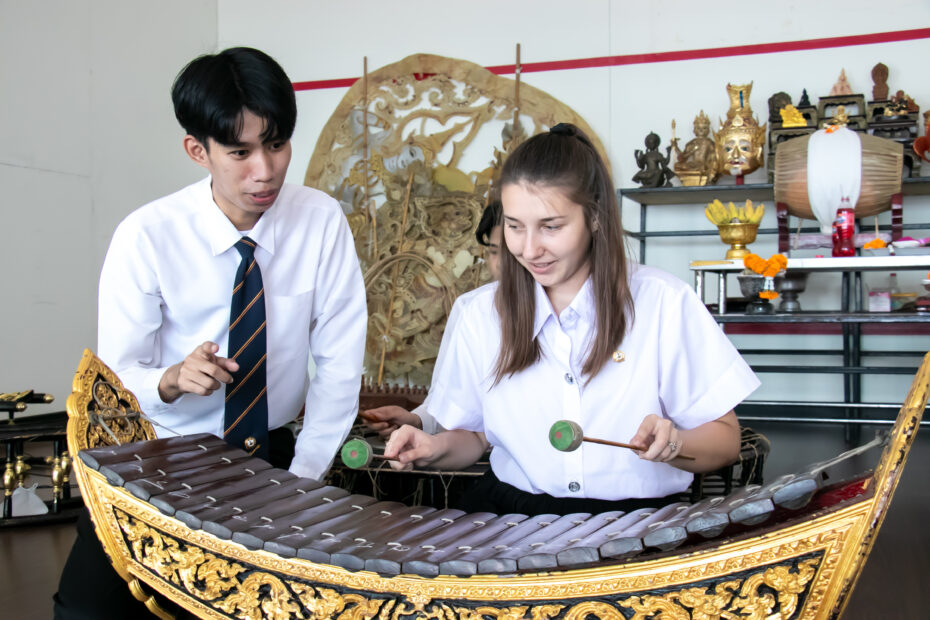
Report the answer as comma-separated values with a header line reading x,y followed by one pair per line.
x,y
99,398
429,125
731,599
827,536
249,592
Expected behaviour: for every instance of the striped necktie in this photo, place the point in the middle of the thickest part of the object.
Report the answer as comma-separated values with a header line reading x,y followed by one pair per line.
x,y
246,423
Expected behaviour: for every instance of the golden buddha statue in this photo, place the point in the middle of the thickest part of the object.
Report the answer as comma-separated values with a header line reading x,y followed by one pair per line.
x,y
697,163
791,117
740,139
840,118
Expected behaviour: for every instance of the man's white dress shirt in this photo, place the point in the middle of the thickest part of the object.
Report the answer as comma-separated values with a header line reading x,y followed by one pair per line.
x,y
677,363
166,286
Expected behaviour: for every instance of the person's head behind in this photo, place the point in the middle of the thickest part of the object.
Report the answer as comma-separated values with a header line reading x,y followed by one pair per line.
x,y
564,161
211,93
488,233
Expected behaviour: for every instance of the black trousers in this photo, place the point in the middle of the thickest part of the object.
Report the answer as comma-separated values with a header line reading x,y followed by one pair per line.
x,y
90,589
489,494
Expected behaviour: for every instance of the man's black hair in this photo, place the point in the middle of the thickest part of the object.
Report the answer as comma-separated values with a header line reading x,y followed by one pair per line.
x,y
211,92
489,219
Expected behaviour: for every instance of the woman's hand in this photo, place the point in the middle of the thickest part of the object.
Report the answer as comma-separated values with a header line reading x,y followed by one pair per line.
x,y
660,438
411,447
712,445
454,449
386,420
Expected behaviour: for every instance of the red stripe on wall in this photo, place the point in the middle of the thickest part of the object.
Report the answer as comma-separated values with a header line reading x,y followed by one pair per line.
x,y
638,59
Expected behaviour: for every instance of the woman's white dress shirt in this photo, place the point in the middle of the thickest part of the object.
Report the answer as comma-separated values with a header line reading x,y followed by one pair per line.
x,y
677,363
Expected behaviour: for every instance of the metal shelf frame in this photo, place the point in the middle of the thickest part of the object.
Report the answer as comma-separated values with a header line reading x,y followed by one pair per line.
x,y
850,316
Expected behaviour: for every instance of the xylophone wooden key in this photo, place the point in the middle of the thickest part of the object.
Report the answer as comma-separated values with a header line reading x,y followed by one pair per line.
x,y
586,550
284,534
302,500
750,505
337,546
445,559
349,522
519,554
424,555
210,516
119,474
356,554
107,455
394,542
709,519
624,538
672,530
165,482
546,555
190,507
468,561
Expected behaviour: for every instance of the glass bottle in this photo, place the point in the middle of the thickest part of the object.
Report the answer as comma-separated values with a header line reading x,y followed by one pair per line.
x,y
844,228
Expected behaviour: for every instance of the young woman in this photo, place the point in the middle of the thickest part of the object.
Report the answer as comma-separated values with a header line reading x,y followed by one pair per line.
x,y
574,331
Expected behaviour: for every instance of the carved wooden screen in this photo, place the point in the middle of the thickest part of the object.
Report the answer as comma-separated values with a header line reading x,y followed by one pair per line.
x,y
435,131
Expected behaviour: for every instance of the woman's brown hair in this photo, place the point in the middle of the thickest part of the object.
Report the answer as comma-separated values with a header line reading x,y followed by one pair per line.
x,y
564,158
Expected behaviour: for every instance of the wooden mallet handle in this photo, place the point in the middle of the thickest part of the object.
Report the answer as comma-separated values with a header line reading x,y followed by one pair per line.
x,y
567,436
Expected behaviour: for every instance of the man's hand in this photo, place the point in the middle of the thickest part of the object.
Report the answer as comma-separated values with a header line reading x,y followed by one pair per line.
x,y
202,372
385,420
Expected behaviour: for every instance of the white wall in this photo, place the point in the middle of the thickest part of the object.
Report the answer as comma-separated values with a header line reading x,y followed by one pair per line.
x,y
326,40
87,133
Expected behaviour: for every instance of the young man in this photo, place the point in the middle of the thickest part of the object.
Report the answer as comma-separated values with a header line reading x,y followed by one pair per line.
x,y
213,299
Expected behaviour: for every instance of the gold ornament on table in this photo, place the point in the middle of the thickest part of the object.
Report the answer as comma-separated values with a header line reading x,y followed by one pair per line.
x,y
697,163
740,138
737,225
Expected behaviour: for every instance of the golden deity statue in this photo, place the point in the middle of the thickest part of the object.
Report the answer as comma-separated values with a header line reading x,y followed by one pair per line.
x,y
740,139
840,118
697,163
791,117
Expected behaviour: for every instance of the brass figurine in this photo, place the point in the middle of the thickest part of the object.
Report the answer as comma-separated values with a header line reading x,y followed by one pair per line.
x,y
697,163
841,118
653,165
776,103
740,138
901,104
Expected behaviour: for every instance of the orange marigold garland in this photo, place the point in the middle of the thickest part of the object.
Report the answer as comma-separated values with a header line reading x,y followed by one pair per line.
x,y
767,269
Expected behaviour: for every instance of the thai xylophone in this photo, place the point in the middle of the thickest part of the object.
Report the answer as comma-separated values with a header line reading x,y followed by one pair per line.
x,y
224,534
